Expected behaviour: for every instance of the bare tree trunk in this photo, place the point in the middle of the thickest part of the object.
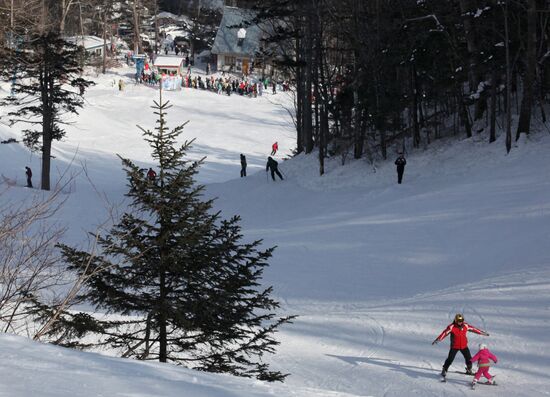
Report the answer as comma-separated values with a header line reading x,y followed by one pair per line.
x,y
530,69
163,336
492,133
307,124
493,116
47,120
383,147
104,33
321,90
414,96
137,29
463,112
299,96
358,130
65,8
508,82
46,161
472,46
156,27
80,20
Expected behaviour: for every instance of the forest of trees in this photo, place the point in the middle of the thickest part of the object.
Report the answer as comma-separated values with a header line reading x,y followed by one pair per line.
x,y
374,75
369,76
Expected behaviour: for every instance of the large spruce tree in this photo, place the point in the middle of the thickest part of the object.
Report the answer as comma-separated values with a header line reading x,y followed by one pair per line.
x,y
46,78
188,288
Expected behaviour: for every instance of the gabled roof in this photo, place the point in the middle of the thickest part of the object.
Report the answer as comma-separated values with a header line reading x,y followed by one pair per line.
x,y
88,42
227,42
171,62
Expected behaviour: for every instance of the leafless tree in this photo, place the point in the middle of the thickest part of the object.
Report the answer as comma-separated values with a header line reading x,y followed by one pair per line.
x,y
28,259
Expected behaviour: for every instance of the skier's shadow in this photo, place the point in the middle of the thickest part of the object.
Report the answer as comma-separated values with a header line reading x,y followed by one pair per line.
x,y
409,370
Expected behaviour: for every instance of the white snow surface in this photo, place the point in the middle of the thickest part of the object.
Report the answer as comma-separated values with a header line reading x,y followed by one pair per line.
x,y
375,270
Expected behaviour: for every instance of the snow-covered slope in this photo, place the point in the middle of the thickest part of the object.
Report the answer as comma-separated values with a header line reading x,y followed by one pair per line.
x,y
375,270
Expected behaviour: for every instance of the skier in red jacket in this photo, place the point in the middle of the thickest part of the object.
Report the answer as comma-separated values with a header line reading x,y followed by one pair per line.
x,y
459,342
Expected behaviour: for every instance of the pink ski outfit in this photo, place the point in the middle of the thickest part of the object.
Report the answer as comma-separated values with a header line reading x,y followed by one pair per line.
x,y
483,358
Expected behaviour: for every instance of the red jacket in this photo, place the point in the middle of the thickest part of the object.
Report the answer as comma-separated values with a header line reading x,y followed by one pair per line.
x,y
458,334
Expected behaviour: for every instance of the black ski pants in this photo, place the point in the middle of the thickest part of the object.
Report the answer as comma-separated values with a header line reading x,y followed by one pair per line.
x,y
243,170
452,353
276,171
400,171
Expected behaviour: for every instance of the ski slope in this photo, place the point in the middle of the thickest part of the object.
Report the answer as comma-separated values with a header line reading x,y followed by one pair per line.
x,y
374,270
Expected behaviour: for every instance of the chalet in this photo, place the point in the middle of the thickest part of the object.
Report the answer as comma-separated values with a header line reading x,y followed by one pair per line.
x,y
92,44
236,45
169,64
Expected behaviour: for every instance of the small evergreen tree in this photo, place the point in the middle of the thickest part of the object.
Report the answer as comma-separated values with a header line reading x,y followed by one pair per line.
x,y
189,289
41,69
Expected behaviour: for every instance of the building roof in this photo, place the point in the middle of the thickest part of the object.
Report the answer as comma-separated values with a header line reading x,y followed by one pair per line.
x,y
168,62
227,42
88,42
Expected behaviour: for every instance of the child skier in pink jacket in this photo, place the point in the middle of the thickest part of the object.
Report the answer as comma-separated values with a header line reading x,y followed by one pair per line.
x,y
483,358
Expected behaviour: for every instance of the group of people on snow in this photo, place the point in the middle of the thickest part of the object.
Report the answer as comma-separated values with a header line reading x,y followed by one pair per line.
x,y
271,165
219,85
458,330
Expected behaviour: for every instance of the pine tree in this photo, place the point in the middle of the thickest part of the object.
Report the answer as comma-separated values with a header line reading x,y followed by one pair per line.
x,y
190,290
42,69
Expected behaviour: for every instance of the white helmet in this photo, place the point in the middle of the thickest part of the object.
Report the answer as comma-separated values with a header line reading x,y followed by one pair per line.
x,y
482,346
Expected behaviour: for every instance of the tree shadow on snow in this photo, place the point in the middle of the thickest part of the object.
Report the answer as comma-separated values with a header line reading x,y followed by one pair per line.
x,y
409,370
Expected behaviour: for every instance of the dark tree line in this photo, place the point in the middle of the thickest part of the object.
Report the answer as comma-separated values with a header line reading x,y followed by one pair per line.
x,y
370,75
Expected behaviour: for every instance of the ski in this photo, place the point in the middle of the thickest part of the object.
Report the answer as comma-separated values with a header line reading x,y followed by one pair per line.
x,y
493,383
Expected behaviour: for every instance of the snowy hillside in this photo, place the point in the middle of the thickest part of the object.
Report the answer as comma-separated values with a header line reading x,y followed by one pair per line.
x,y
375,272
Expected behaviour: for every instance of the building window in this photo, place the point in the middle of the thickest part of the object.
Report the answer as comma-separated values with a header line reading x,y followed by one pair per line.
x,y
229,60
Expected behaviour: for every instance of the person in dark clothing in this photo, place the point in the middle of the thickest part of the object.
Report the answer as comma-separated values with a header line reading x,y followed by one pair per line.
x,y
400,163
243,165
151,176
28,172
274,167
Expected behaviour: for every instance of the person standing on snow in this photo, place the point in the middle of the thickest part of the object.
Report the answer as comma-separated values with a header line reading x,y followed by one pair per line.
x,y
151,176
400,163
274,167
459,342
243,165
28,172
274,148
483,358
